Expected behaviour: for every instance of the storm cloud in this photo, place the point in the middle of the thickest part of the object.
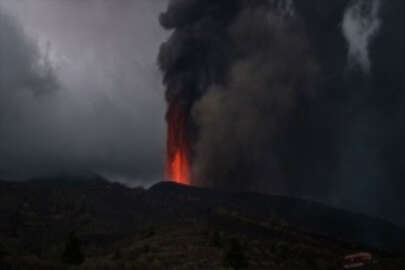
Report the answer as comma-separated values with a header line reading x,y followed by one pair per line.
x,y
80,89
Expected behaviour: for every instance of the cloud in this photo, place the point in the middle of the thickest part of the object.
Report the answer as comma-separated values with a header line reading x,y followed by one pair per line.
x,y
80,88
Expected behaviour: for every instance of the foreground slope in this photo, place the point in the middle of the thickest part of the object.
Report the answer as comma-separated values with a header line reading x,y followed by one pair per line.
x,y
171,226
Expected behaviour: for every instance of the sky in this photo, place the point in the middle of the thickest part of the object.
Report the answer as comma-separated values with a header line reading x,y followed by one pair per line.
x,y
100,104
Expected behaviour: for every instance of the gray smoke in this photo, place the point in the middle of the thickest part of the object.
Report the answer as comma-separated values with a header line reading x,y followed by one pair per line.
x,y
238,67
298,97
240,121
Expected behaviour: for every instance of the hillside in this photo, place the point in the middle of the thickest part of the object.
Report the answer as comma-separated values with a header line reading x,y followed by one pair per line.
x,y
171,226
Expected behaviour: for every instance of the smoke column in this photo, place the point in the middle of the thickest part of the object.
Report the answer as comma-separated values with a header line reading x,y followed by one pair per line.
x,y
192,59
233,70
299,97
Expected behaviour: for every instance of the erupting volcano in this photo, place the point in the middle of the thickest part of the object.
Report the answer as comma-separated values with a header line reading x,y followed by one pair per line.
x,y
237,73
177,149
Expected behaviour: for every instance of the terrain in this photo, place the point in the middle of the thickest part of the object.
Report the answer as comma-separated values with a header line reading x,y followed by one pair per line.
x,y
171,226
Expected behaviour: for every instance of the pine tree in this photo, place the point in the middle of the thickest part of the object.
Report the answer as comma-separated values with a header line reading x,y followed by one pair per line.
x,y
73,254
235,256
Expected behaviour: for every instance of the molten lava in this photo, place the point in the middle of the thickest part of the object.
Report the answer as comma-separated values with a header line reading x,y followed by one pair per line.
x,y
177,156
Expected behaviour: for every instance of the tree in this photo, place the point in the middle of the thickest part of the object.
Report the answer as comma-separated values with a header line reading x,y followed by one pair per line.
x,y
216,240
16,222
235,256
73,252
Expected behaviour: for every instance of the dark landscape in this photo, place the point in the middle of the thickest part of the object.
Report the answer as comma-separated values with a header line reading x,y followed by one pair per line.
x,y
172,226
202,134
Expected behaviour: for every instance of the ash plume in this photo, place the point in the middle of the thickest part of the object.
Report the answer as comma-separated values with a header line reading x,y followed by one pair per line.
x,y
241,120
271,105
237,67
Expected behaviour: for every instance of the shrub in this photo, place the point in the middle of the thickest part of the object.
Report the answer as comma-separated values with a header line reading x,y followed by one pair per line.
x,y
72,253
216,240
235,256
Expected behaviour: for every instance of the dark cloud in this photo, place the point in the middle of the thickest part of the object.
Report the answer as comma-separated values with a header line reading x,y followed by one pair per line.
x,y
80,89
238,68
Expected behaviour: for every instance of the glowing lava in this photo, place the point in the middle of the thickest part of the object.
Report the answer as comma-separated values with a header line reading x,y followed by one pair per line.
x,y
177,156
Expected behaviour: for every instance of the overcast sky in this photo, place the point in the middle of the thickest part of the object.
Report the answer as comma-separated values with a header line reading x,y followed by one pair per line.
x,y
105,111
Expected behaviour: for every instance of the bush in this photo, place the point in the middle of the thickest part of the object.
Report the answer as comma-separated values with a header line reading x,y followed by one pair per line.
x,y
72,253
235,256
216,240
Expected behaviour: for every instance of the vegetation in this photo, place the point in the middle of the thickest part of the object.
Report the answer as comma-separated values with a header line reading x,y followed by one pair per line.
x,y
125,229
235,256
216,240
73,251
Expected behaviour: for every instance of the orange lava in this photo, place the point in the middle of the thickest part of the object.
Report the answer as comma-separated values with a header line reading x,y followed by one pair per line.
x,y
179,168
177,151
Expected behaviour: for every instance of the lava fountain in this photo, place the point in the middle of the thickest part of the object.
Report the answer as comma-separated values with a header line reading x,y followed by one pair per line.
x,y
177,148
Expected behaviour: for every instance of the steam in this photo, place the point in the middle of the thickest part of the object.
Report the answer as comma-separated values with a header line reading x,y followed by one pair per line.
x,y
361,24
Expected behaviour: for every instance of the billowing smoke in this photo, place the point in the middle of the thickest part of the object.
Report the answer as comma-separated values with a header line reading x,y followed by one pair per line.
x,y
241,120
270,104
236,69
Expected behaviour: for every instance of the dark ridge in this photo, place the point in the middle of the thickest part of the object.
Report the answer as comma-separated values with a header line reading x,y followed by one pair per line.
x,y
304,214
118,210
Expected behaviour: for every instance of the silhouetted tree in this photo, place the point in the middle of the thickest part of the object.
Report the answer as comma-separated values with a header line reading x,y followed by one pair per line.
x,y
216,240
2,251
117,255
73,252
16,222
235,256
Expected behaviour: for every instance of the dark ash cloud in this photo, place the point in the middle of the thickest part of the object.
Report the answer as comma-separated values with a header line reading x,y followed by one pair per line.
x,y
240,121
297,97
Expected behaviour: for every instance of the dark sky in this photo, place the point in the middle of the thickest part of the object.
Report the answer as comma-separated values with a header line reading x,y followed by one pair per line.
x,y
93,98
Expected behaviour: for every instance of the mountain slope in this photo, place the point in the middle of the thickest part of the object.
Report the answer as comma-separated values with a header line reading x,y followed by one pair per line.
x,y
172,226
